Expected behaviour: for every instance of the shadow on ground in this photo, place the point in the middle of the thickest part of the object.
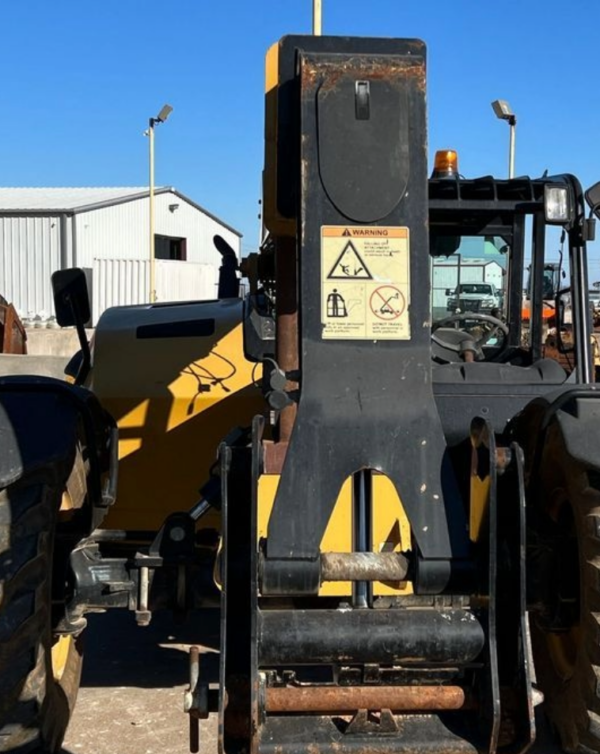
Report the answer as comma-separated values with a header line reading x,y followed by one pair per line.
x,y
118,652
121,657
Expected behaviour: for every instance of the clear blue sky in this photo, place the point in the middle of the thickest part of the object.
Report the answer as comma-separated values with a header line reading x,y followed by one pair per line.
x,y
81,77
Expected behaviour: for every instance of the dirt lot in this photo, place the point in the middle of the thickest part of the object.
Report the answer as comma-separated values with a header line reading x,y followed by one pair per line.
x,y
131,696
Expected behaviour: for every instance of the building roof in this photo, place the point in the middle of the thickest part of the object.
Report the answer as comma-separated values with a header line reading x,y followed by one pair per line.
x,y
58,201
466,261
62,199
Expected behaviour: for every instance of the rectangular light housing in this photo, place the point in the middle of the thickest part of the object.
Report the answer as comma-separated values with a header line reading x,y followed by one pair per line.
x,y
556,204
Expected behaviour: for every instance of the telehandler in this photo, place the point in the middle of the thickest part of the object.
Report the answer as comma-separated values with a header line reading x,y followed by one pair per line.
x,y
399,516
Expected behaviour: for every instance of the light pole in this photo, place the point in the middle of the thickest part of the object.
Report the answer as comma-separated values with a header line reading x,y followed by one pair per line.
x,y
152,122
504,112
317,18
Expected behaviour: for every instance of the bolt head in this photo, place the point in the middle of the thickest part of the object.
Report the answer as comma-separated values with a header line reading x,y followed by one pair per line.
x,y
177,534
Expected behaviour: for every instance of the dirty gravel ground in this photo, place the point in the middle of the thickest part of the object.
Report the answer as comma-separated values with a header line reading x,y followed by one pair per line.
x,y
131,695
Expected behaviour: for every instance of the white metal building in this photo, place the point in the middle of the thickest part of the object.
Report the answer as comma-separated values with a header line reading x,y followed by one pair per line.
x,y
105,231
448,273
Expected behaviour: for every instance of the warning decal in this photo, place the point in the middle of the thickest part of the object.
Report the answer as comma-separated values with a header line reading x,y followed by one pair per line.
x,y
349,265
387,302
365,291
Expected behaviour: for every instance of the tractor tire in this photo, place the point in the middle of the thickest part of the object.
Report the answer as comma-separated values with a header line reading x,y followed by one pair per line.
x,y
564,572
39,672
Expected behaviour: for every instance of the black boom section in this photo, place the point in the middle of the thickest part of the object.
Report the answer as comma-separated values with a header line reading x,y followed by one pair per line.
x,y
365,402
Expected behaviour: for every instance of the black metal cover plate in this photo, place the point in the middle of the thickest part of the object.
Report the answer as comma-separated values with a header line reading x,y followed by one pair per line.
x,y
368,403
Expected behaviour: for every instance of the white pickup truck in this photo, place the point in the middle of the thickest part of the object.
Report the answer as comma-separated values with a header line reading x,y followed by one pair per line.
x,y
474,297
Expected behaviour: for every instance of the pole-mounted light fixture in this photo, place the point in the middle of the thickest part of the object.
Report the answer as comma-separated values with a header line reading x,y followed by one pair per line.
x,y
504,112
317,16
164,113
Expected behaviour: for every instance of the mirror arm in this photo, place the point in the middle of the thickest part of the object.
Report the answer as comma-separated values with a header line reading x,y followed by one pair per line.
x,y
590,224
86,354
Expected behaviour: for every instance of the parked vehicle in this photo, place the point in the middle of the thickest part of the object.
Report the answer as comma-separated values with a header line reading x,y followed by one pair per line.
x,y
474,297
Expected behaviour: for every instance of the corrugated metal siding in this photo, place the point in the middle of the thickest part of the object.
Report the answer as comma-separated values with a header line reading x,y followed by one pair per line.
x,y
118,282
121,232
30,250
199,229
121,282
186,281
29,254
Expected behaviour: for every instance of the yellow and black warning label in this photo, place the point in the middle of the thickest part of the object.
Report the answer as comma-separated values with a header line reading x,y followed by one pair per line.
x,y
365,282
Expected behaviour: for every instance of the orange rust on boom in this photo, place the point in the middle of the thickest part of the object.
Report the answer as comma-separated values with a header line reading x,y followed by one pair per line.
x,y
378,68
345,700
287,326
274,455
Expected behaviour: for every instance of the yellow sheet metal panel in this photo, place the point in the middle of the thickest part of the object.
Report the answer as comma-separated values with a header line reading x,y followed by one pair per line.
x,y
479,501
174,400
391,530
337,537
273,221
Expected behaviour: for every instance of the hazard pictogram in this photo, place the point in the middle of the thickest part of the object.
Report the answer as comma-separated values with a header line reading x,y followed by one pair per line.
x,y
336,305
349,265
346,233
387,302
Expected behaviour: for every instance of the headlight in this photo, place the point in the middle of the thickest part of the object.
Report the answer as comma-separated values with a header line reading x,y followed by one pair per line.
x,y
556,204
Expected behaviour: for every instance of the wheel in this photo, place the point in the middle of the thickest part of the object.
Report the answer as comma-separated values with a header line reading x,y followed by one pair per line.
x,y
39,672
564,572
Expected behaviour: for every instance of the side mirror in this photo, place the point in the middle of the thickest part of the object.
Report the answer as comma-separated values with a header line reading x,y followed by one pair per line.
x,y
592,197
71,299
448,291
72,306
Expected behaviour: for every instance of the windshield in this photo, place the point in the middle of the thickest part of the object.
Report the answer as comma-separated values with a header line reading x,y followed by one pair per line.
x,y
475,288
550,282
469,281
473,278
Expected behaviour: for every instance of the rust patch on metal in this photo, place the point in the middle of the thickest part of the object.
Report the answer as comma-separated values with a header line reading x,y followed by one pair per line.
x,y
13,338
346,700
327,74
273,456
237,719
287,326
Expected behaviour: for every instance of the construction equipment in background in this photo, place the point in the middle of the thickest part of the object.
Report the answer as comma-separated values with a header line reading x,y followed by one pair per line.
x,y
551,286
398,519
560,346
13,338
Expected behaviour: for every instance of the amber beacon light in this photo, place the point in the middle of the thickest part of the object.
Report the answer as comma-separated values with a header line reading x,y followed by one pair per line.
x,y
445,164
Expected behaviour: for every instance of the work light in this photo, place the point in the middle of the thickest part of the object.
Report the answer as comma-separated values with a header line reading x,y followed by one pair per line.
x,y
556,204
